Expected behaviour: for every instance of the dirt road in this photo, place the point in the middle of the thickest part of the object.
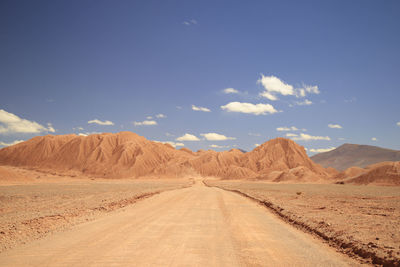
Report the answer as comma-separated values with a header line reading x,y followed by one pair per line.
x,y
196,226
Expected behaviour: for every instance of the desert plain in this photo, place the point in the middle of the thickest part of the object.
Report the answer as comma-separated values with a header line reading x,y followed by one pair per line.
x,y
122,200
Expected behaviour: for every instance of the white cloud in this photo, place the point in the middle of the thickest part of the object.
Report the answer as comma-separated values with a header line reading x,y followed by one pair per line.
x,y
149,117
50,128
216,137
269,96
256,145
230,91
144,123
190,22
307,137
306,102
374,139
398,124
273,85
341,138
311,89
321,150
88,133
187,137
249,108
174,144
200,108
335,126
217,146
291,135
78,129
11,123
350,100
99,122
160,116
169,134
12,143
287,129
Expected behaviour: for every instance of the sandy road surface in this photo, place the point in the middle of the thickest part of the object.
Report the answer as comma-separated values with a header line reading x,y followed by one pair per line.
x,y
196,226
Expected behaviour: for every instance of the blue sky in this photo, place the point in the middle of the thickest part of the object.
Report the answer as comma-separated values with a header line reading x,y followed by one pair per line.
x,y
294,68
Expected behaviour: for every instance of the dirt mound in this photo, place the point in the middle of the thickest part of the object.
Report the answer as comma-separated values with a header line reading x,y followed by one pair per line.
x,y
127,154
7,174
124,154
350,173
298,174
280,154
384,173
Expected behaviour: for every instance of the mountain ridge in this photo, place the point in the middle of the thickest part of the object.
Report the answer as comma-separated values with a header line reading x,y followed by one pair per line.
x,y
354,155
127,154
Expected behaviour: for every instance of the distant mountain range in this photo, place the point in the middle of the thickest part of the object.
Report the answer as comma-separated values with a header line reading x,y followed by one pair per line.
x,y
350,155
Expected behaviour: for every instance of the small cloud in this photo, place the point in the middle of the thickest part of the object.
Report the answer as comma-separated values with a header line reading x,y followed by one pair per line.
x,y
78,129
3,144
335,126
190,22
149,117
217,146
311,89
170,143
187,137
168,134
230,91
287,129
178,107
321,150
350,100
256,145
11,123
374,139
273,85
398,124
144,123
216,137
291,135
307,137
306,102
160,116
269,96
88,133
99,122
50,128
249,108
254,134
341,138
200,108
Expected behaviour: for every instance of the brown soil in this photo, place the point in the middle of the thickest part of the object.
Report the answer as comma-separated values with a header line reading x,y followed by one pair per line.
x,y
360,220
32,210
194,226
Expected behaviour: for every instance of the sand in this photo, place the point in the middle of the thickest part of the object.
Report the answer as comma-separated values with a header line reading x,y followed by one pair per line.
x,y
33,210
195,226
359,220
